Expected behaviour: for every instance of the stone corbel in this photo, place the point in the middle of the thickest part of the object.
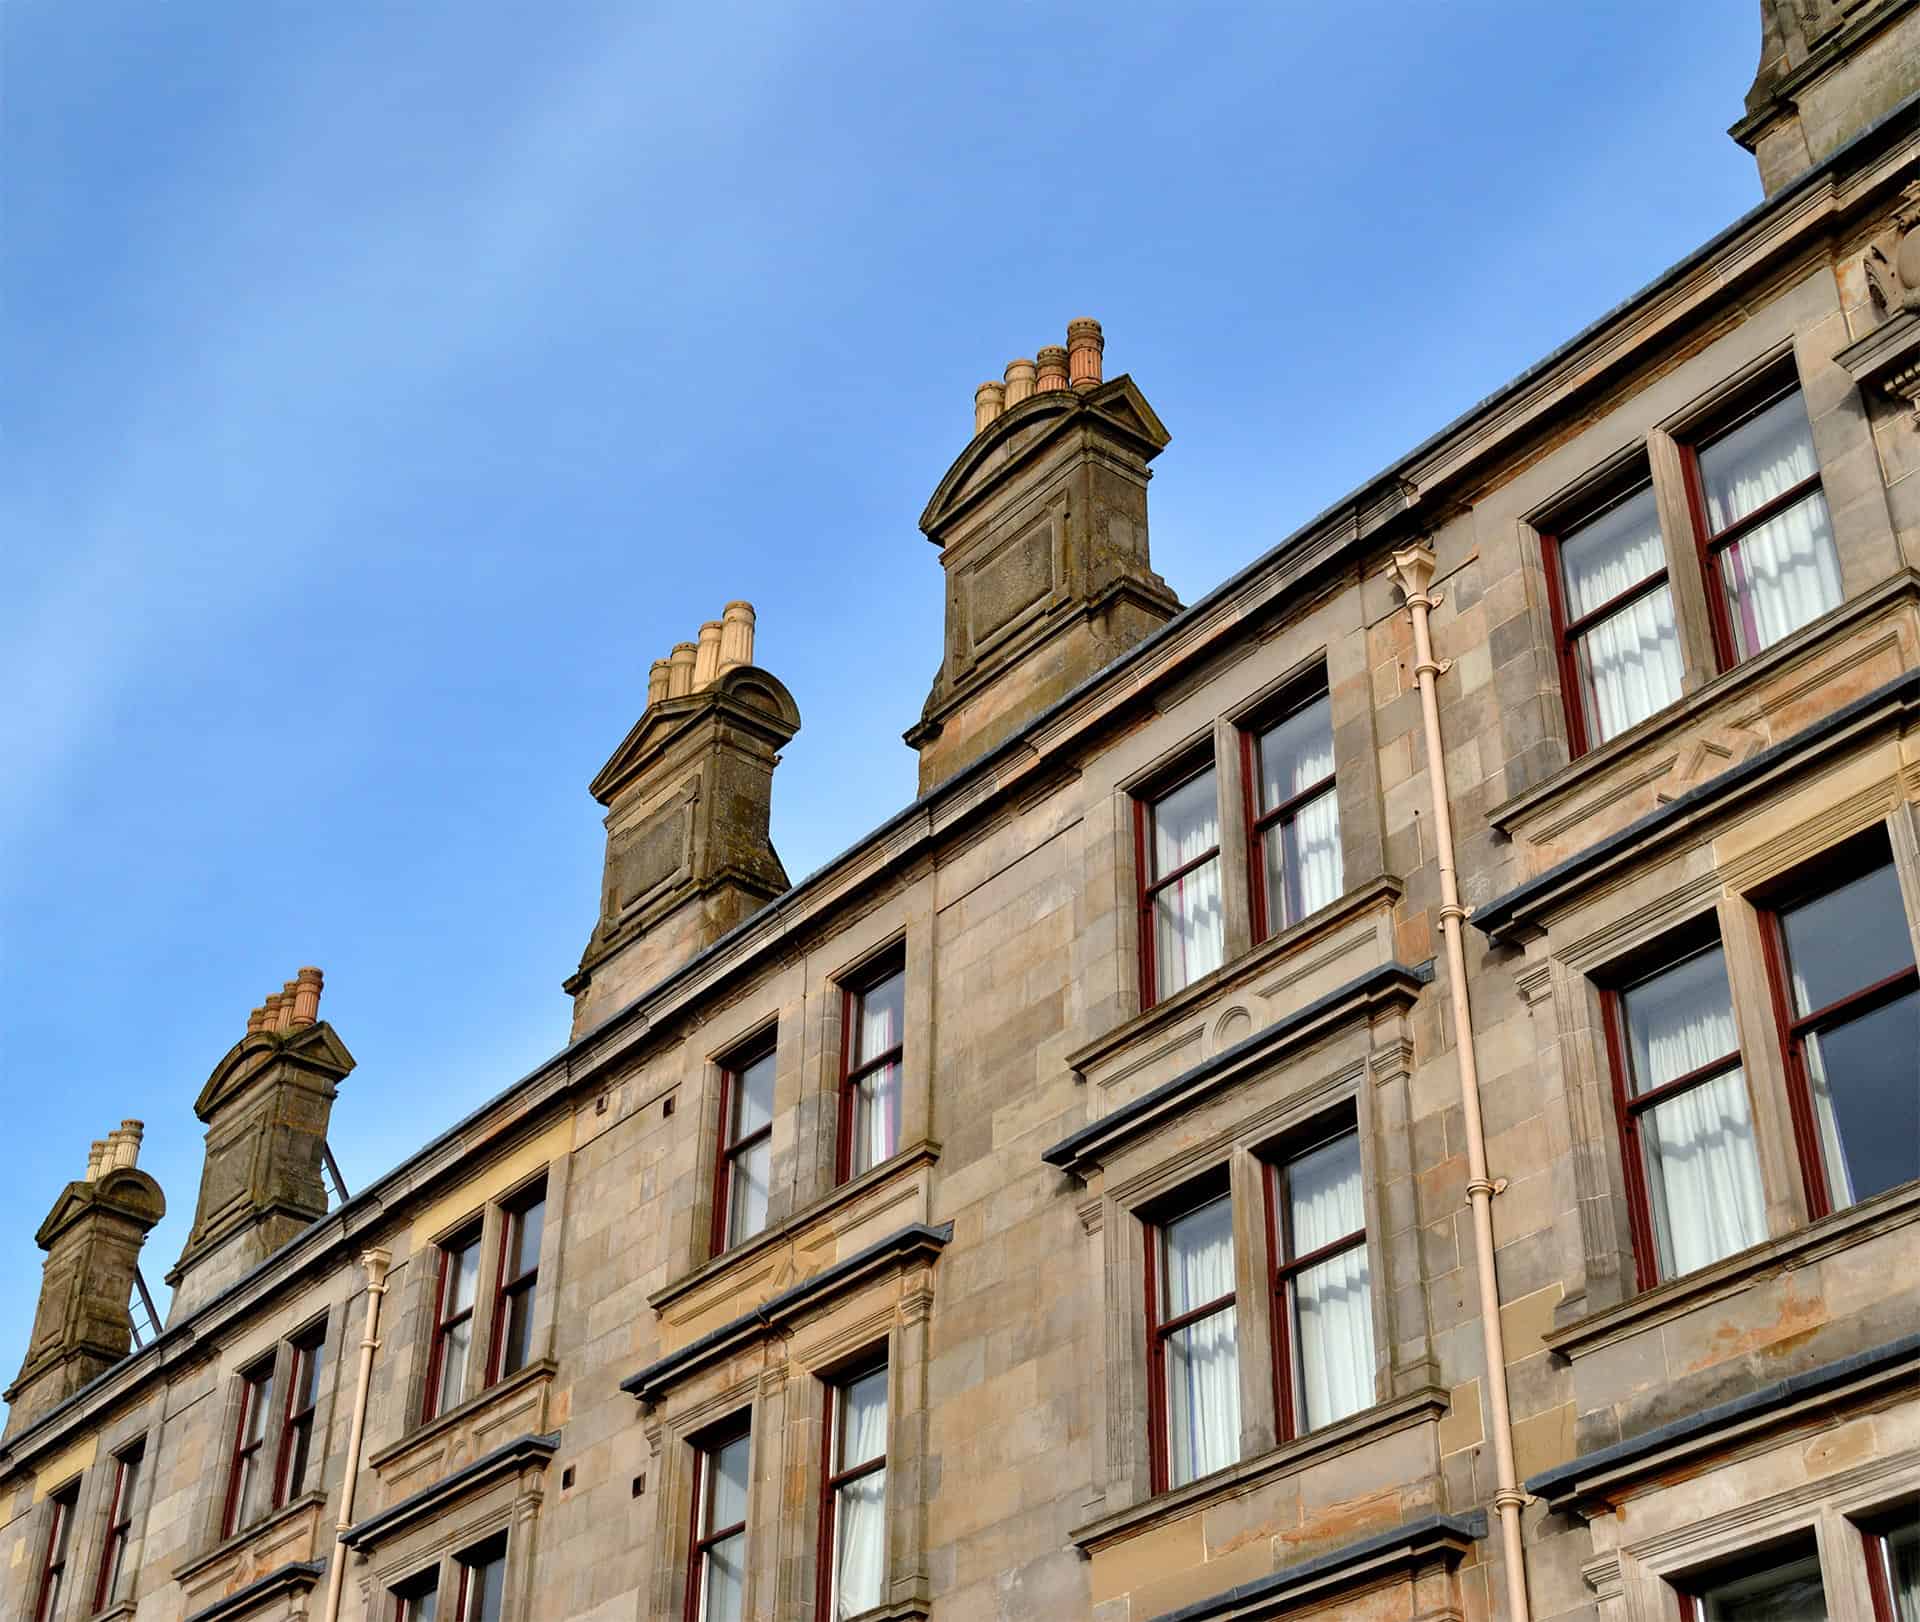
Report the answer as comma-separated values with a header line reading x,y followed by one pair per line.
x,y
1888,358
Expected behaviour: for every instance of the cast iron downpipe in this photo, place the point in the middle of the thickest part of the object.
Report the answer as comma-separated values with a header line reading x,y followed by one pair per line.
x,y
376,1262
1413,569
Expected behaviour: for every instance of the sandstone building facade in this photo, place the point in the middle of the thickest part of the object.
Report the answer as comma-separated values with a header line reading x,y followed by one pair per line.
x,y
1388,1092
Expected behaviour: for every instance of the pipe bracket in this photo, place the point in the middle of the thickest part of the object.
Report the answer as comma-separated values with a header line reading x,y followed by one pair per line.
x,y
1453,909
1435,667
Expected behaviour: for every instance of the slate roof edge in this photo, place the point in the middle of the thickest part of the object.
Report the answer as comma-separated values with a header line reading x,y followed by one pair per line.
x,y
295,1574
914,1236
534,1445
1493,917
1429,1531
1116,1123
1559,1481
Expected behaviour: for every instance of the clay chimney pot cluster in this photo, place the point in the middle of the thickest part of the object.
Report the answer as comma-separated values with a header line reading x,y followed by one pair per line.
x,y
120,1147
294,1007
1074,365
725,644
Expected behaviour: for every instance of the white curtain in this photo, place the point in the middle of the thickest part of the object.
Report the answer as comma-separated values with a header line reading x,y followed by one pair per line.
x,y
1202,1360
1629,661
1703,1174
1303,853
1786,572
1332,1303
860,1534
876,1126
1188,924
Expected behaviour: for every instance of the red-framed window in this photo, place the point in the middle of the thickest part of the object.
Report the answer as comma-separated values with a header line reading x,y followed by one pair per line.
x,y
1613,619
112,1582
483,1581
872,1042
1893,1563
1177,857
1686,1122
1761,526
1293,814
418,1598
251,1467
453,1303
1784,1581
853,1496
717,1563
306,1363
1193,1355
1846,998
53,1566
743,1168
1322,1285
524,1222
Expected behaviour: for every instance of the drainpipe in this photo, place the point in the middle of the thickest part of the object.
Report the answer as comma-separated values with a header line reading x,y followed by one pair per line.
x,y
1412,569
376,1262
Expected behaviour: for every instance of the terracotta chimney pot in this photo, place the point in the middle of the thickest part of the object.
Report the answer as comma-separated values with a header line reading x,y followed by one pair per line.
x,y
96,1159
1052,373
989,400
306,997
257,1020
1085,346
680,672
657,680
1019,381
736,636
706,656
131,1134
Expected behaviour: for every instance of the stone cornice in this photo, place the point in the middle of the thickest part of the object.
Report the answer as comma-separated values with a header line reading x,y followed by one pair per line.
x,y
295,1577
507,1459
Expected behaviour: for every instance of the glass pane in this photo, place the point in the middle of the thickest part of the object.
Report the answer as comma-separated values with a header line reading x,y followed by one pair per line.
x,y
863,1419
1303,866
1785,1593
753,1091
876,1117
312,1359
299,1440
527,1227
1186,824
1865,1079
860,1538
1629,665
1189,929
1323,1195
726,1581
727,1485
1611,553
1703,1176
1679,1020
257,1489
1333,1334
1203,1397
880,1019
517,1332
1197,1258
1296,754
1746,468
421,1607
463,1278
747,1191
486,1589
259,1407
1846,939
1781,575
453,1365
1901,1550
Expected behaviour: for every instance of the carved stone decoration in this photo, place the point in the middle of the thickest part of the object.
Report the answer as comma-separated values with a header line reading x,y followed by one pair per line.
x,y
1893,277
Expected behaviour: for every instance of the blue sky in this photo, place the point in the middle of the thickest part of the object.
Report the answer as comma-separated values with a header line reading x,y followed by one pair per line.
x,y
389,385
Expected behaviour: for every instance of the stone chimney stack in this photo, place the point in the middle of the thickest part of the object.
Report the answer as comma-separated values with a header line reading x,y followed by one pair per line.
x,y
92,1238
688,796
1828,70
266,1108
1042,530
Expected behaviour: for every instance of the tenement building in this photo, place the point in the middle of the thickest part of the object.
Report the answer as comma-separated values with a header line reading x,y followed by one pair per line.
x,y
1388,1092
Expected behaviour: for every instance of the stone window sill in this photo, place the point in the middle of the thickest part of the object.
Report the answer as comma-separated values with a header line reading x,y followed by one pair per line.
x,y
1364,896
1425,1406
1569,779
1897,1207
288,1511
448,1419
923,1153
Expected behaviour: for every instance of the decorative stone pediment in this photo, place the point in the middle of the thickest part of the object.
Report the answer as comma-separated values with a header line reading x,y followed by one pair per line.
x,y
748,696
127,1192
316,1048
